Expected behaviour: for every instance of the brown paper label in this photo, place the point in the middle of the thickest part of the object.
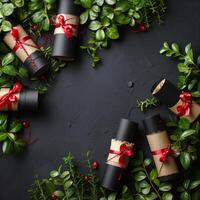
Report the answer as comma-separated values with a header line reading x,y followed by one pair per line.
x,y
194,113
15,104
11,42
69,19
159,141
113,159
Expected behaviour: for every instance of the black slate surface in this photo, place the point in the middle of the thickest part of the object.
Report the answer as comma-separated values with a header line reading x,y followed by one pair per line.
x,y
82,110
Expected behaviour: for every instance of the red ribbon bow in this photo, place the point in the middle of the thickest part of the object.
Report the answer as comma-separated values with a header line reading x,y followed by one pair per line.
x,y
164,153
185,107
67,28
9,98
124,151
20,42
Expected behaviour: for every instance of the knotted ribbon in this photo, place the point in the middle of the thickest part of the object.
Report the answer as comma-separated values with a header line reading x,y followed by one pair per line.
x,y
9,98
125,150
19,43
68,28
164,153
185,107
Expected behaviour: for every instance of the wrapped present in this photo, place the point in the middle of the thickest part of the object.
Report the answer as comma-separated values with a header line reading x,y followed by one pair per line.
x,y
25,49
18,98
121,150
160,146
66,31
179,102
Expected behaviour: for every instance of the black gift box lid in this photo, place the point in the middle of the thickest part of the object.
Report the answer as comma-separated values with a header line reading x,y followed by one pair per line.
x,y
113,178
68,7
153,124
126,131
28,100
168,94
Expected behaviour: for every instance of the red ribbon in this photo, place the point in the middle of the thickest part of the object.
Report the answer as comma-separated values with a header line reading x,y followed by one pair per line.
x,y
10,98
124,151
67,28
20,42
164,153
185,107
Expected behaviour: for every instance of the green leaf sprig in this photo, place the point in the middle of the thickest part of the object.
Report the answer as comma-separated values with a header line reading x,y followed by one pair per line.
x,y
189,189
185,140
150,102
147,185
188,67
68,183
9,135
104,17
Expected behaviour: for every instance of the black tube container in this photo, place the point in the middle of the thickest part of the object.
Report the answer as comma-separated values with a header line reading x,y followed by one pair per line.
x,y
40,66
155,127
113,176
27,100
35,61
168,94
66,48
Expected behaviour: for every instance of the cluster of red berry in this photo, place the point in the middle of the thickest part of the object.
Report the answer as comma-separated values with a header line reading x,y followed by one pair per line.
x,y
94,165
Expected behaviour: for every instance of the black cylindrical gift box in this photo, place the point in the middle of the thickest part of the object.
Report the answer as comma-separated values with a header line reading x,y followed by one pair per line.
x,y
65,45
159,143
26,100
24,47
114,175
168,94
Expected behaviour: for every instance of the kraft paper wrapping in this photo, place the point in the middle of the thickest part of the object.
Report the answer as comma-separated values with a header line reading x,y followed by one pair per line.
x,y
69,19
113,159
10,41
159,141
194,113
15,104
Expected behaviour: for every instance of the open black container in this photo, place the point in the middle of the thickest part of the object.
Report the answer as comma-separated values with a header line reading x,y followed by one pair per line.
x,y
158,139
168,94
31,57
113,176
65,48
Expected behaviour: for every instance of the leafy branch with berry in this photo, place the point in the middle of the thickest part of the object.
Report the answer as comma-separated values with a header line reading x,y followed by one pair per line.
x,y
104,18
67,183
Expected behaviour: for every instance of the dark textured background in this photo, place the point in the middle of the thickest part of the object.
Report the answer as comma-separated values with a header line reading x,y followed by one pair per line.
x,y
83,108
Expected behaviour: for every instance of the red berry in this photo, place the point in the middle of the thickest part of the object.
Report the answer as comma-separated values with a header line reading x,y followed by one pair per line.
x,y
54,197
25,124
95,165
86,178
143,28
34,27
42,78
